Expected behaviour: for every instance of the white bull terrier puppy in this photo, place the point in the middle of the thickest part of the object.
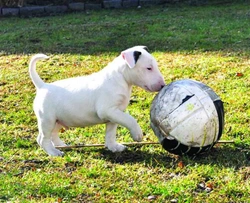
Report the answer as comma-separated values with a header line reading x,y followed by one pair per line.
x,y
99,98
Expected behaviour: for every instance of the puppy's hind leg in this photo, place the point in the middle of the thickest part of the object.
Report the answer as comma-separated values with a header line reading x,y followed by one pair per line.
x,y
39,138
44,138
55,136
110,138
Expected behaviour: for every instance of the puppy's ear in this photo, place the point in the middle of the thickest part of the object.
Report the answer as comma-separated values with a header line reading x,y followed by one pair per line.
x,y
143,47
131,57
136,55
146,48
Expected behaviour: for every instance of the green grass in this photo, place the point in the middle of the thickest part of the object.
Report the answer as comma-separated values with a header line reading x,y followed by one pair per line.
x,y
209,44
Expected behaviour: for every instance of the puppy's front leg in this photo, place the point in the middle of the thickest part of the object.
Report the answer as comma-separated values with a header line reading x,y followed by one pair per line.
x,y
124,119
110,138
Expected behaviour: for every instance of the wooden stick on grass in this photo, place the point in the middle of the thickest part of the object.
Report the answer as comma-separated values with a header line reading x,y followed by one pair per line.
x,y
128,144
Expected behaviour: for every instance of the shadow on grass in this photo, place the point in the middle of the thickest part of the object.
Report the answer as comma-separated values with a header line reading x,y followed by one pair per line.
x,y
222,156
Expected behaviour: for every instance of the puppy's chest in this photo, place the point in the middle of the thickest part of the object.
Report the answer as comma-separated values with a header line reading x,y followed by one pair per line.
x,y
124,102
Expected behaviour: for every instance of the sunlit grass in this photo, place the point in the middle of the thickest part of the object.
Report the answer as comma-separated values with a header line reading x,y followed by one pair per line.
x,y
208,44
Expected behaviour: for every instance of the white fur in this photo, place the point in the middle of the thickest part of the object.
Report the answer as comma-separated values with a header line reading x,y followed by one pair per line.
x,y
99,98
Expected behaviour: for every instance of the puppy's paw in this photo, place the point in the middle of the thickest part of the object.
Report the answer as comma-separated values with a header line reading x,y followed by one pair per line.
x,y
137,134
54,152
58,143
116,147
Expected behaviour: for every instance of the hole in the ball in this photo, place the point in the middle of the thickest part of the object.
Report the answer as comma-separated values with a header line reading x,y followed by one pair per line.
x,y
186,98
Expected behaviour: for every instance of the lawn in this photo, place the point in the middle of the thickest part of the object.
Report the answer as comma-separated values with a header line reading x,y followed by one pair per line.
x,y
205,43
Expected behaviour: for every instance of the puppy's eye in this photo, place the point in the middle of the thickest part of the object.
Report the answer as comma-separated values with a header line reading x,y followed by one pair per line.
x,y
149,68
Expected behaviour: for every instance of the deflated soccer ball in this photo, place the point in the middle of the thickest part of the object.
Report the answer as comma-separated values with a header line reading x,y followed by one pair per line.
x,y
187,117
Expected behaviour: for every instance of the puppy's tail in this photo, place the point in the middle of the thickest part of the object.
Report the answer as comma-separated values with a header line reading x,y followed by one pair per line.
x,y
38,82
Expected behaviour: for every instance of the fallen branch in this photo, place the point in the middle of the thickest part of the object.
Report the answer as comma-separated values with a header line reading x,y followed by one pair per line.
x,y
128,144
225,142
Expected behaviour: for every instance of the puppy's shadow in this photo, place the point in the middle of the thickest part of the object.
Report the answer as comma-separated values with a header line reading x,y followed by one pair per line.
x,y
222,156
135,155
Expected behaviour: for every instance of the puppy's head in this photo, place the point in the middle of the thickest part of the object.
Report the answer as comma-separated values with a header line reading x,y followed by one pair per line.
x,y
143,70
